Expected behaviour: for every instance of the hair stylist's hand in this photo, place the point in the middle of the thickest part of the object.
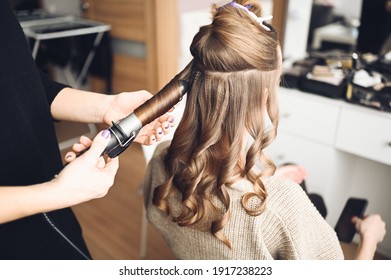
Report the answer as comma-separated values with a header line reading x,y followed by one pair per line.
x,y
90,175
124,103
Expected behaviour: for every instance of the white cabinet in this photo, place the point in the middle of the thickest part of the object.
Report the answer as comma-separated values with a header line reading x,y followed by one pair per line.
x,y
345,148
365,135
307,118
318,159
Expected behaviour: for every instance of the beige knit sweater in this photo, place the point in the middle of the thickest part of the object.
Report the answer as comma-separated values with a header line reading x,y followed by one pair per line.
x,y
289,228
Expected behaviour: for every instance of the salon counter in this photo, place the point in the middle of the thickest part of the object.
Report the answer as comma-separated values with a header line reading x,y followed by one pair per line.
x,y
346,149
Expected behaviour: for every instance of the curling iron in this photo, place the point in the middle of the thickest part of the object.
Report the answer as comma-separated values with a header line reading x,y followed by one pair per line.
x,y
124,131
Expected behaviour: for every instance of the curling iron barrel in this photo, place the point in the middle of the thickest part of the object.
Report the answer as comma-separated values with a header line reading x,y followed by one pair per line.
x,y
125,130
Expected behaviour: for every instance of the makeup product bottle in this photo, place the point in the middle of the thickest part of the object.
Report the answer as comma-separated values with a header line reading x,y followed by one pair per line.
x,y
350,76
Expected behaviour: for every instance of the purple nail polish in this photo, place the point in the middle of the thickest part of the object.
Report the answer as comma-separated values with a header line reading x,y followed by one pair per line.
x,y
171,119
106,134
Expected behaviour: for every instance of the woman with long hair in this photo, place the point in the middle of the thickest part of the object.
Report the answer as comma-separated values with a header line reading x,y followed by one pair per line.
x,y
211,192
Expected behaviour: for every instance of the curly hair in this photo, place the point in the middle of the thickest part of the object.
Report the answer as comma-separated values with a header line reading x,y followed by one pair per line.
x,y
233,80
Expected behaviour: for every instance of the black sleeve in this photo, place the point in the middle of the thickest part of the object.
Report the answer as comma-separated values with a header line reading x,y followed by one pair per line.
x,y
52,88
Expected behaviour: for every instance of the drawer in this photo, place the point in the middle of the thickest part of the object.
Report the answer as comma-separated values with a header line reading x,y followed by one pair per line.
x,y
365,135
318,159
308,117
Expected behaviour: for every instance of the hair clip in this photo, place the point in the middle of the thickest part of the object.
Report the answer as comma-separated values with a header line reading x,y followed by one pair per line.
x,y
260,20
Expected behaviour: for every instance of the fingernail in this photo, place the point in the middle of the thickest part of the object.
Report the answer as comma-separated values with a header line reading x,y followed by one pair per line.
x,y
153,139
68,156
166,126
159,131
106,134
171,119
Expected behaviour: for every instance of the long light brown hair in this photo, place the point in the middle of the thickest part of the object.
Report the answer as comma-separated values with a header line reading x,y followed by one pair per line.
x,y
233,80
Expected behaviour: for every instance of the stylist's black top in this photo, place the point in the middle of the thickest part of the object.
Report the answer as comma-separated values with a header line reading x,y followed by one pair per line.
x,y
29,152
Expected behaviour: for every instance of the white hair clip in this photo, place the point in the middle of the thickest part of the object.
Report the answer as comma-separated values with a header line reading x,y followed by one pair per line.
x,y
260,20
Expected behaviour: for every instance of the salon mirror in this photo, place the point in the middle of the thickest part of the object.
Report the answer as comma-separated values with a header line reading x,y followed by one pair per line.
x,y
355,25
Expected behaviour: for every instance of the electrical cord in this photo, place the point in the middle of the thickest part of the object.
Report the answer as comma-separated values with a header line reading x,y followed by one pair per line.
x,y
51,223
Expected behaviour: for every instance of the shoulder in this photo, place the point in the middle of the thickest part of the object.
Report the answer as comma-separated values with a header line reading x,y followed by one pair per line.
x,y
289,203
281,192
155,154
161,149
155,174
311,237
288,200
284,192
156,163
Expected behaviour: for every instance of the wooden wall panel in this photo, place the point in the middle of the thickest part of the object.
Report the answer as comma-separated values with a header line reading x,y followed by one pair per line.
x,y
155,23
126,17
129,73
167,37
280,8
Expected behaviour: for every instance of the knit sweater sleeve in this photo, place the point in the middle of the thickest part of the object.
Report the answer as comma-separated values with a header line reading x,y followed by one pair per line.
x,y
307,235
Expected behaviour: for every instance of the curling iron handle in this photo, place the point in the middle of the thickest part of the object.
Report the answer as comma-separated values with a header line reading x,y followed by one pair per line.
x,y
125,130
